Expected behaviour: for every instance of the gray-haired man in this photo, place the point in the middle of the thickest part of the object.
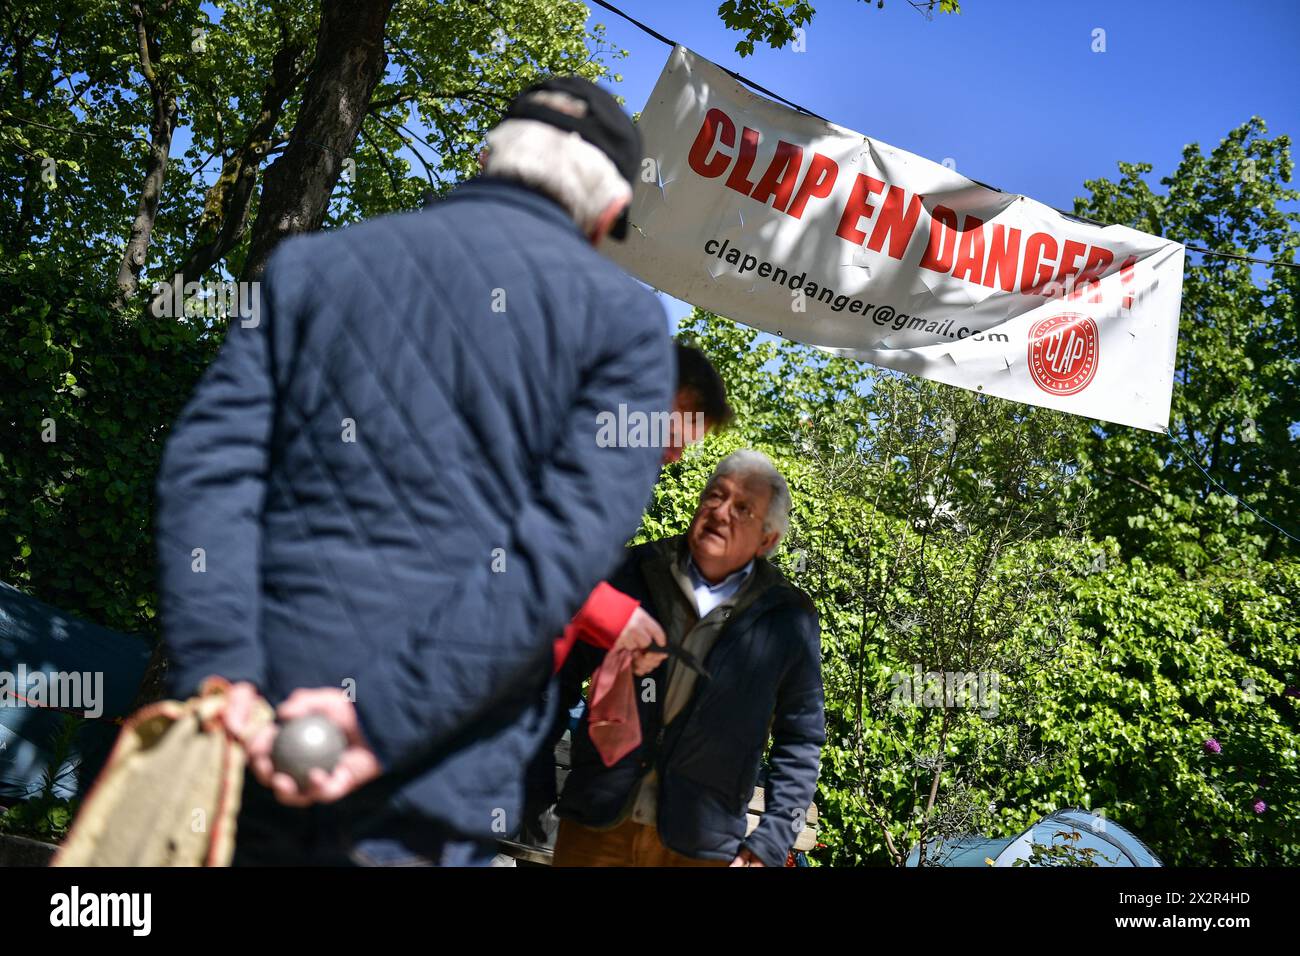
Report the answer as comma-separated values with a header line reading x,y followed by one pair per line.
x,y
679,798
393,481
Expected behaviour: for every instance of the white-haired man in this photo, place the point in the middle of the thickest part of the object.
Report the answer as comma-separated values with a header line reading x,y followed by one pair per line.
x,y
386,496
679,797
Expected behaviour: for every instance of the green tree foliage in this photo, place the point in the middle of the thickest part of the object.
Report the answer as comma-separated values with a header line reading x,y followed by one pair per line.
x,y
1235,408
940,533
775,22
85,400
74,127
76,88
1177,702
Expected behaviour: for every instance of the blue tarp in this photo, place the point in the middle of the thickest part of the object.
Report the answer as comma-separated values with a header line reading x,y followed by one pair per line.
x,y
1114,845
49,656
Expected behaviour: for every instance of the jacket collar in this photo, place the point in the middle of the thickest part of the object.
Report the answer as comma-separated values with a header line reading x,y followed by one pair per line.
x,y
770,586
698,579
515,193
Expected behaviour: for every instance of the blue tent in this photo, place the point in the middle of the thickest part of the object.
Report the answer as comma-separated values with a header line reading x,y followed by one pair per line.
x,y
1115,845
105,669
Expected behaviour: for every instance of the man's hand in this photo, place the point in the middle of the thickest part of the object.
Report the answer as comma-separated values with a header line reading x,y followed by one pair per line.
x,y
640,632
356,767
746,858
240,699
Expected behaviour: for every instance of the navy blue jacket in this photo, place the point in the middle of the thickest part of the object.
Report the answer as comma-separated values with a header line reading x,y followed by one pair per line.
x,y
396,486
765,672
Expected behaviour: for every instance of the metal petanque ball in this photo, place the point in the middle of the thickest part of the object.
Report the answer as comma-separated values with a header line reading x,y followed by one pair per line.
x,y
307,742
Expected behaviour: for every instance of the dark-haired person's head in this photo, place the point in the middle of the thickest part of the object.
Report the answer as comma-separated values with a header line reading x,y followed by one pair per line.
x,y
700,403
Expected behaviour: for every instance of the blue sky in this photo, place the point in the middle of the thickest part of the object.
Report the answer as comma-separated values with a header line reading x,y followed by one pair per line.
x,y
1010,90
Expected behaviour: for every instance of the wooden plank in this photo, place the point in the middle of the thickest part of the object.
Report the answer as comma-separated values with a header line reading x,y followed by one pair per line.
x,y
805,841
758,804
523,851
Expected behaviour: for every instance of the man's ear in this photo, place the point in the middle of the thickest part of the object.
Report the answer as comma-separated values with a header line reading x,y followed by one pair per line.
x,y
482,159
605,221
769,542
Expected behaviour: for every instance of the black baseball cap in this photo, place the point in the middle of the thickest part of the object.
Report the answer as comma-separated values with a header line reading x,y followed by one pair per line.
x,y
579,106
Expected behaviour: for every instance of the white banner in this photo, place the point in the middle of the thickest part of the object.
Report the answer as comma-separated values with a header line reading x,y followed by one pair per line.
x,y
811,231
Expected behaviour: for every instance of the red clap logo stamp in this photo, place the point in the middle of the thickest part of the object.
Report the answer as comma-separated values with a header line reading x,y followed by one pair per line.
x,y
1063,353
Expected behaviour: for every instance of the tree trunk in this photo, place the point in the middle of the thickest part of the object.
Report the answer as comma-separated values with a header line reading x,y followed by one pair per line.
x,y
349,63
18,233
137,247
225,213
160,145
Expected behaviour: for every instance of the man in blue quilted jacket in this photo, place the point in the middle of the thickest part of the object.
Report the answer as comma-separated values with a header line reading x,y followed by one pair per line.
x,y
386,495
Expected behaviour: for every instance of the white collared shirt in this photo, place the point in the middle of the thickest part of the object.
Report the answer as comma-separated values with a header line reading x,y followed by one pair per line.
x,y
708,596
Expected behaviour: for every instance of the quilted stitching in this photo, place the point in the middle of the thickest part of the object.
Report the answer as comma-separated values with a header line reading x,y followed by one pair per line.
x,y
375,554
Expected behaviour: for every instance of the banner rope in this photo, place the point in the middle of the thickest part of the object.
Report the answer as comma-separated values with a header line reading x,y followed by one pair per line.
x,y
744,79
1208,478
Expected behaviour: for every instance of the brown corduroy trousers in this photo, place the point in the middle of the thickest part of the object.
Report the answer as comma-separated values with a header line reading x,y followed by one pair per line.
x,y
628,844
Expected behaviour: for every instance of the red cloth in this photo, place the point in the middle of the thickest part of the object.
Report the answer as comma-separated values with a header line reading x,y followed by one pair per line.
x,y
613,723
598,622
